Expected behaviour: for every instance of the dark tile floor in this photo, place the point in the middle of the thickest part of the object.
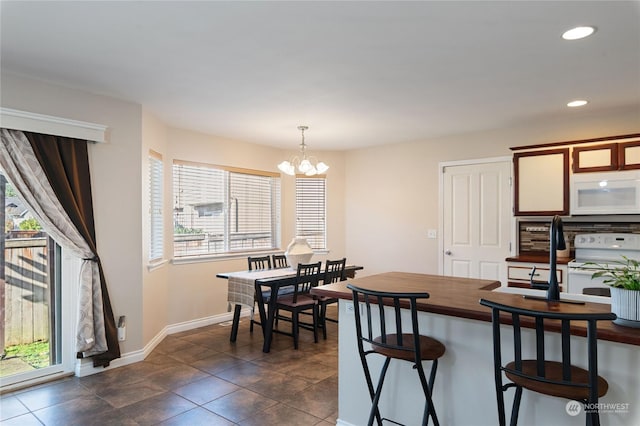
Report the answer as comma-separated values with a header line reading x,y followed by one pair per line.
x,y
197,377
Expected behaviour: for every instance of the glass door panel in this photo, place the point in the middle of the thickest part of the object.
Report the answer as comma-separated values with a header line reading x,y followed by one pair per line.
x,y
29,294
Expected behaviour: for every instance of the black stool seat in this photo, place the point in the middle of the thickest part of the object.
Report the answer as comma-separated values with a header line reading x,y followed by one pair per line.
x,y
430,348
553,373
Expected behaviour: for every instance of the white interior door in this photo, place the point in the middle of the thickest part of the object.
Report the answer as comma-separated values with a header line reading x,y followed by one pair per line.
x,y
477,220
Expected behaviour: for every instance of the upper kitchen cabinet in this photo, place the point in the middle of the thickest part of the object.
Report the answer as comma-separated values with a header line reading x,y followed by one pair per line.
x,y
629,155
624,155
595,158
541,182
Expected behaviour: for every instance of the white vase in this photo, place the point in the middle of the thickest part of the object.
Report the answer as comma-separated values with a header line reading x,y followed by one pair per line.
x,y
298,251
626,305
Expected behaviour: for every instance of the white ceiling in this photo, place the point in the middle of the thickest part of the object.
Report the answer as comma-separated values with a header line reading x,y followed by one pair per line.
x,y
357,73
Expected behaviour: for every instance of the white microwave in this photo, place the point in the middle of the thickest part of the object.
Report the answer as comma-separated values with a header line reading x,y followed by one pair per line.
x,y
605,193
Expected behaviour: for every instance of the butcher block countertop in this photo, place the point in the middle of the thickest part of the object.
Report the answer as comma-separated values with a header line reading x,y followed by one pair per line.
x,y
460,297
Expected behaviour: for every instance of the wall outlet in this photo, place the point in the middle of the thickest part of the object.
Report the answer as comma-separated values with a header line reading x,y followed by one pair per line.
x,y
348,307
432,233
122,328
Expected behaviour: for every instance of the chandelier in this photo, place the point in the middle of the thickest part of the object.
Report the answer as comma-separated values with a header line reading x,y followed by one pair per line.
x,y
306,165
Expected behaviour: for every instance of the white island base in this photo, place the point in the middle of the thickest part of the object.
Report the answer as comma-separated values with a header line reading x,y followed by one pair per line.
x,y
464,392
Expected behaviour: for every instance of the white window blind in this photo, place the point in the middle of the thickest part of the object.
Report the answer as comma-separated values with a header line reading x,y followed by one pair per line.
x,y
311,211
156,191
220,210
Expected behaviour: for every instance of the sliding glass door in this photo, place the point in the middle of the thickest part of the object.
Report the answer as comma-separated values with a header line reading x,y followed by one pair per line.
x,y
31,328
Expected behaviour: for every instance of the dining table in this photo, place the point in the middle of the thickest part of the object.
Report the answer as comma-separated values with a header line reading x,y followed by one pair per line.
x,y
249,287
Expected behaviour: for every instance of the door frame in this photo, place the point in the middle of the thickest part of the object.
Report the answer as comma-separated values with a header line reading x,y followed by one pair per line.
x,y
441,166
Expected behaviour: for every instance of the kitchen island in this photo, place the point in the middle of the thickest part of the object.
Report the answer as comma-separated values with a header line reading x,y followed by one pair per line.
x,y
464,392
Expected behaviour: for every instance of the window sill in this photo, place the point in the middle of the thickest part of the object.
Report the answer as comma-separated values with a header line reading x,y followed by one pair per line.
x,y
152,266
221,257
231,256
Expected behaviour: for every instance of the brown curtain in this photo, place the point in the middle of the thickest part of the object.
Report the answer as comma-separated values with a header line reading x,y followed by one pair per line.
x,y
66,164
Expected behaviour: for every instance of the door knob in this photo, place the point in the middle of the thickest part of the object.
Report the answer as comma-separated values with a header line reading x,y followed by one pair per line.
x,y
448,252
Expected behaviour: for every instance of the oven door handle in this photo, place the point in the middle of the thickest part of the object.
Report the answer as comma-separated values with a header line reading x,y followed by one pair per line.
x,y
579,271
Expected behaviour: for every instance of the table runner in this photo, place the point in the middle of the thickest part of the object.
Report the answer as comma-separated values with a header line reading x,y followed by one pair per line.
x,y
241,285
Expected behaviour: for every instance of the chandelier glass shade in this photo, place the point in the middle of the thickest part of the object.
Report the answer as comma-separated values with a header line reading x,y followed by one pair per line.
x,y
304,164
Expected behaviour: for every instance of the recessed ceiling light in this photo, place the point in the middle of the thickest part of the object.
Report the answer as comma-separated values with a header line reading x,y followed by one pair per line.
x,y
578,33
577,103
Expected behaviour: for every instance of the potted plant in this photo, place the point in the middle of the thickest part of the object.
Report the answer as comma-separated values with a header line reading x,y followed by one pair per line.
x,y
623,277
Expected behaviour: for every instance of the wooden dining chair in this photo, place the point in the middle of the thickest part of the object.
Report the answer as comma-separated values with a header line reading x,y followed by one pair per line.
x,y
279,261
301,300
257,263
261,262
333,272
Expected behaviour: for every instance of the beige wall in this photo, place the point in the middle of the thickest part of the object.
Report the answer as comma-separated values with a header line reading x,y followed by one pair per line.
x,y
392,191
116,184
155,283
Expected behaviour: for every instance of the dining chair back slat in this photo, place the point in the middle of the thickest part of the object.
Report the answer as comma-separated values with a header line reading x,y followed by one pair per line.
x,y
334,271
307,277
262,262
280,261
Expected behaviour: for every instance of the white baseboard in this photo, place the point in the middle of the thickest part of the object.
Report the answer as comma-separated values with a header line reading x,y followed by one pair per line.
x,y
343,423
84,367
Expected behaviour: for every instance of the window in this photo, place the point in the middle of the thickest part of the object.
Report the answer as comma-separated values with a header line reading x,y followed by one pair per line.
x,y
219,210
156,191
310,211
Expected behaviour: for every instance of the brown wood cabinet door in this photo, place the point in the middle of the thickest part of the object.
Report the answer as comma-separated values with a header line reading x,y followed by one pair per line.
x,y
541,182
629,155
595,158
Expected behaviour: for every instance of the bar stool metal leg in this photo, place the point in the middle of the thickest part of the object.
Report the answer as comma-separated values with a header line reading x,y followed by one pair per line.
x,y
429,408
376,398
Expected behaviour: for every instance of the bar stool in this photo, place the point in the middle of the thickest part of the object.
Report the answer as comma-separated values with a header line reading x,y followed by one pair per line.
x,y
554,378
394,342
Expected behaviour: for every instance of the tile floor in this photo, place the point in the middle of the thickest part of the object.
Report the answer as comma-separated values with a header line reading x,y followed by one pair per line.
x,y
197,377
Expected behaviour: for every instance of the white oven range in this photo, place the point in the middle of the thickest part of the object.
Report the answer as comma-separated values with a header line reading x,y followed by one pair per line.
x,y
604,249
